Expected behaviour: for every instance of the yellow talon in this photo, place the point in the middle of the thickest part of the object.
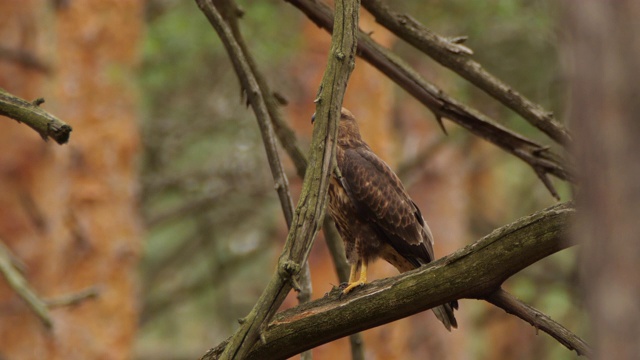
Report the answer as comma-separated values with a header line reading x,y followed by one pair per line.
x,y
353,283
352,286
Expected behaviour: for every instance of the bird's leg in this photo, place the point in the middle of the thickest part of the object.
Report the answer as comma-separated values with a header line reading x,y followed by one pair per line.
x,y
353,283
354,272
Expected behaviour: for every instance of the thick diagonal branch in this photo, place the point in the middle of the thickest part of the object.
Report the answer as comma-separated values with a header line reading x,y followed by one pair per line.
x,y
310,210
475,271
230,12
458,59
540,158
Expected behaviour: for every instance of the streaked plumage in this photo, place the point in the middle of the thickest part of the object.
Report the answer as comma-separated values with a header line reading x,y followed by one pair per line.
x,y
374,214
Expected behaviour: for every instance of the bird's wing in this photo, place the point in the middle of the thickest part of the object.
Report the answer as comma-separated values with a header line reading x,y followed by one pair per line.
x,y
382,201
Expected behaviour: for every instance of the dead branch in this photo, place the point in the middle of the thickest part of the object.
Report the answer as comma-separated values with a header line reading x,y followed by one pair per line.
x,y
21,286
230,11
457,57
257,102
39,306
539,320
30,113
73,299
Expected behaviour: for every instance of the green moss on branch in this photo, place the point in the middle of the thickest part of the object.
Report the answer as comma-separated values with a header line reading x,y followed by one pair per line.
x,y
30,113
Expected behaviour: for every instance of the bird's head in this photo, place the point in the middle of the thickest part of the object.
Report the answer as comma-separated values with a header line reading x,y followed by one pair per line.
x,y
347,126
345,116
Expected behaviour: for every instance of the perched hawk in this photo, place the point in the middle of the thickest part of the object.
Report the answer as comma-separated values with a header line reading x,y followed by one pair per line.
x,y
374,214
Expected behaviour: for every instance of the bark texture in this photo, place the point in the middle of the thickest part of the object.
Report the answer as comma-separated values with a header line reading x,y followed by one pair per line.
x,y
603,58
475,271
69,213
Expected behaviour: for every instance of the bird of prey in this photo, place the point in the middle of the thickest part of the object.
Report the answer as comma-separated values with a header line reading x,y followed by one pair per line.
x,y
375,216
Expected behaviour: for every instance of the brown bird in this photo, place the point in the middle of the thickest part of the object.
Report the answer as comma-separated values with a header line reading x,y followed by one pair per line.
x,y
375,216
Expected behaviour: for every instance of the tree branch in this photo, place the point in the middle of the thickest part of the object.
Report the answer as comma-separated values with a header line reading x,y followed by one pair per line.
x,y
537,319
286,136
458,58
540,158
47,125
20,285
73,299
311,205
257,102
230,12
475,272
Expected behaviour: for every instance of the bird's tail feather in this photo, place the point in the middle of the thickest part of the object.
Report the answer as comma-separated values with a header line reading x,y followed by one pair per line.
x,y
444,313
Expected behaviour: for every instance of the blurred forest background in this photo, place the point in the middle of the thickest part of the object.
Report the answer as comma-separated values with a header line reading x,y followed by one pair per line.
x,y
163,200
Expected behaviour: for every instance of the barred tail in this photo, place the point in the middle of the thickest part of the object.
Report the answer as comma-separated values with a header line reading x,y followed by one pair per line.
x,y
444,313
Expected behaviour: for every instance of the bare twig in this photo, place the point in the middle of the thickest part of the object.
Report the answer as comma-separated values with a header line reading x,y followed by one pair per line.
x,y
230,12
74,298
257,102
542,160
20,285
30,113
312,201
475,271
539,320
457,58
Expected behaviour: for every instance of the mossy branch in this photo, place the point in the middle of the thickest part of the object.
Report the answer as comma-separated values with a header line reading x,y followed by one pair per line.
x,y
476,272
30,113
272,124
310,210
231,12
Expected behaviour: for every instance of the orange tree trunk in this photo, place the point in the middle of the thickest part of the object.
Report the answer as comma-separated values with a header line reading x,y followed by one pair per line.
x,y
69,212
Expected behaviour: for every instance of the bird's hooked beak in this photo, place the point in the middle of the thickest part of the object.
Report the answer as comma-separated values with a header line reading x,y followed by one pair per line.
x,y
313,118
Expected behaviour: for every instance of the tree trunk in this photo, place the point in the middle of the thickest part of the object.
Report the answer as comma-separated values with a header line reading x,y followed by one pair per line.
x,y
603,54
69,213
